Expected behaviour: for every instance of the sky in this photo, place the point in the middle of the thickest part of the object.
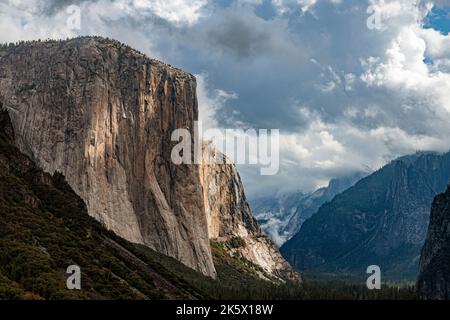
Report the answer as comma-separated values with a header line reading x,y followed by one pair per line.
x,y
350,84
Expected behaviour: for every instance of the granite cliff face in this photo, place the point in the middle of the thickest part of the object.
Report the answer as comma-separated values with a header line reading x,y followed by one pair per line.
x,y
102,115
44,223
230,219
434,277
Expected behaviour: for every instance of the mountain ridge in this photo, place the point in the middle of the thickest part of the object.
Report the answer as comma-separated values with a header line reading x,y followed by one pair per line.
x,y
381,220
282,216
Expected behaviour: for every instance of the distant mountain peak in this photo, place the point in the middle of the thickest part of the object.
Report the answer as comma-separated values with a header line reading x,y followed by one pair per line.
x,y
381,220
281,216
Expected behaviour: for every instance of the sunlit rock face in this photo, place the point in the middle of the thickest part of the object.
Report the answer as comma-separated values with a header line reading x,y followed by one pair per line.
x,y
229,216
102,114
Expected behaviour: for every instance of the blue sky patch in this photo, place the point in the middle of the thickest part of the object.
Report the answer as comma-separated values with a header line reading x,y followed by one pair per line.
x,y
439,19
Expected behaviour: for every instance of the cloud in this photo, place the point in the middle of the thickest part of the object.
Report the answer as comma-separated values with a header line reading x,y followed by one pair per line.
x,y
175,11
210,101
289,6
19,20
344,97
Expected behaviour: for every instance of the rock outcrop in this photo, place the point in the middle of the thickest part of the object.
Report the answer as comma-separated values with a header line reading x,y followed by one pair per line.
x,y
230,219
102,114
45,227
434,278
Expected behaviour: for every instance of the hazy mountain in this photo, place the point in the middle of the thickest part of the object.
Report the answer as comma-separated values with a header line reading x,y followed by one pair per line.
x,y
382,220
282,216
103,114
274,212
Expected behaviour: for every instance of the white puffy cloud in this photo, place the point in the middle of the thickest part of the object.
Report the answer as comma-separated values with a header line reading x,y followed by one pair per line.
x,y
284,6
437,45
403,70
176,11
345,97
19,20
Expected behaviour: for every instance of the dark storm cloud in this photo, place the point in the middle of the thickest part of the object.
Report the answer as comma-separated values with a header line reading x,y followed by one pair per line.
x,y
246,35
256,58
238,36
